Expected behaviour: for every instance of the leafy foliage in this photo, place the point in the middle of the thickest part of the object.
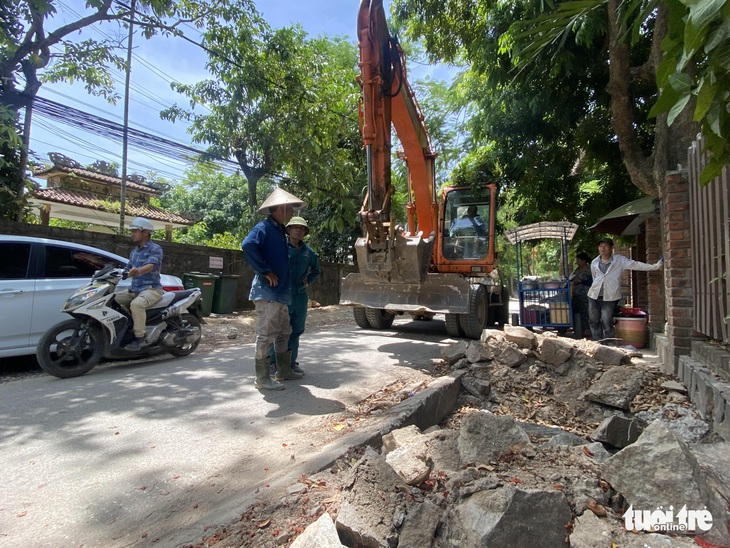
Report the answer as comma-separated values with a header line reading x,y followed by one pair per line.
x,y
217,200
695,65
543,131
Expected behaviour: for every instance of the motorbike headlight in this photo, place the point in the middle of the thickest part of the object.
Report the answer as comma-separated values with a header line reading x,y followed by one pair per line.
x,y
80,297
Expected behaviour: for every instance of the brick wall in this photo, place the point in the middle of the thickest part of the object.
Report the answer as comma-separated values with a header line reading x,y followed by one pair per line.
x,y
181,258
677,272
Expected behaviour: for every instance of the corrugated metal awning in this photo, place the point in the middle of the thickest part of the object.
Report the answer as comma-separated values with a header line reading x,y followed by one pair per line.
x,y
627,219
556,230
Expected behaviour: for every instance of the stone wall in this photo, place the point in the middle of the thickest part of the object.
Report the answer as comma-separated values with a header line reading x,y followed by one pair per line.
x,y
181,258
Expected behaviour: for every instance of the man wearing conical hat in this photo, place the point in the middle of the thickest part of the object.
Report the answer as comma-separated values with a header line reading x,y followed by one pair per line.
x,y
266,251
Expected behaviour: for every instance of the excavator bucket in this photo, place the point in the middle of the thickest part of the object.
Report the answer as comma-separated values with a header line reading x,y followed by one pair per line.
x,y
404,259
438,293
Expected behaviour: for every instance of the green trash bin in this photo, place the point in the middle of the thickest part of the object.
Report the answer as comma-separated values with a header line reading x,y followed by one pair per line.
x,y
206,283
224,297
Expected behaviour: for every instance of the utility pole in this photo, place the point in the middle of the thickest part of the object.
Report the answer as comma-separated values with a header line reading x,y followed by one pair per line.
x,y
123,192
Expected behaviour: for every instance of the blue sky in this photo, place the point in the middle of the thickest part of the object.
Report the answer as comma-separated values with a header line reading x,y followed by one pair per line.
x,y
155,64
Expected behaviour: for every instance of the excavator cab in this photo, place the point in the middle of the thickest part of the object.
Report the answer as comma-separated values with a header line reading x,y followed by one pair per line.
x,y
466,227
466,236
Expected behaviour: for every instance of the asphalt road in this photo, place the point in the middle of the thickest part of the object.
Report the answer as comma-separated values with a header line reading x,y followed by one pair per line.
x,y
153,452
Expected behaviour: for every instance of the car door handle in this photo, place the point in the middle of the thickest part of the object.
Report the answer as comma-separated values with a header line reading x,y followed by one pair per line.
x,y
11,291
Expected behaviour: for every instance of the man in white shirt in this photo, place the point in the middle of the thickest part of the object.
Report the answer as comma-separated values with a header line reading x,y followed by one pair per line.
x,y
605,292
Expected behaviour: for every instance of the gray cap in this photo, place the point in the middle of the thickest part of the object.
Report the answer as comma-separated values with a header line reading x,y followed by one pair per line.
x,y
280,197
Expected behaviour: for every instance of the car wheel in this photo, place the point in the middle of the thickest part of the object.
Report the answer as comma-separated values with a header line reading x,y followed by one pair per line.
x,y
379,318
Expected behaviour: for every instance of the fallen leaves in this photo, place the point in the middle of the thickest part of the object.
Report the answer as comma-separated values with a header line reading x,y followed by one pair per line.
x,y
597,509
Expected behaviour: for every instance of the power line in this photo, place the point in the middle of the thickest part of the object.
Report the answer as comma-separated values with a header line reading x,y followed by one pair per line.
x,y
113,130
101,152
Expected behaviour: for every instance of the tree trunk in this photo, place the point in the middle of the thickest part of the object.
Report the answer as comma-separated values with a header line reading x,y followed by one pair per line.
x,y
670,143
623,122
252,176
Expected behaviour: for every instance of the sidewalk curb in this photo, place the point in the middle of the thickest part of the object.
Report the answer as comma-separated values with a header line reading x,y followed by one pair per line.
x,y
423,410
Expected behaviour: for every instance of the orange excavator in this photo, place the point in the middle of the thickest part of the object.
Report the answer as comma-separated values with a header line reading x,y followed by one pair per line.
x,y
444,260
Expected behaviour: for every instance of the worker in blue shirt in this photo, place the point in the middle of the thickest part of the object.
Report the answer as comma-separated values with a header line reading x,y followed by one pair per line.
x,y
265,249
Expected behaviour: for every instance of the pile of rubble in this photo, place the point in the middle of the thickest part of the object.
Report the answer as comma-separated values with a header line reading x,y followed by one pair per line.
x,y
556,443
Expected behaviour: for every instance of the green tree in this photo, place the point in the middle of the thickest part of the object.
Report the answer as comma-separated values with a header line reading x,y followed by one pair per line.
x,y
28,31
284,106
543,133
215,200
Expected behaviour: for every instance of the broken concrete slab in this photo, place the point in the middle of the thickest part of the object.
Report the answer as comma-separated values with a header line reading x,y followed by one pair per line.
x,y
476,387
442,450
454,352
617,387
555,352
410,462
618,431
675,386
610,355
566,438
684,422
712,468
492,335
655,471
419,526
590,531
510,517
483,437
595,451
400,437
511,356
478,352
322,533
374,494
521,336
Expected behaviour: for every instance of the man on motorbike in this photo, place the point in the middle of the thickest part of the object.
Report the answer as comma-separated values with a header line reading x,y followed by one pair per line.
x,y
144,266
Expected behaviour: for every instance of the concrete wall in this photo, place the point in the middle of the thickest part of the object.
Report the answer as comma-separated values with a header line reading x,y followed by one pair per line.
x,y
181,258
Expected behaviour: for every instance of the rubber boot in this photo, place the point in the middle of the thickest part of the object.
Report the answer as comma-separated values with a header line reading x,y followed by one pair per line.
x,y
283,367
263,377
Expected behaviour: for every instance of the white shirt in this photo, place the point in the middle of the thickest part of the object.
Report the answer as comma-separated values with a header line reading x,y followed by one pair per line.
x,y
611,280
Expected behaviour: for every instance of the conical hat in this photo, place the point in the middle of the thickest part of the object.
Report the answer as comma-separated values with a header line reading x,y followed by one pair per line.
x,y
280,197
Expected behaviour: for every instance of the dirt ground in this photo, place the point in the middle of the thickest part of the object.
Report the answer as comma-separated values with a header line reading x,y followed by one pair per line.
x,y
527,395
223,330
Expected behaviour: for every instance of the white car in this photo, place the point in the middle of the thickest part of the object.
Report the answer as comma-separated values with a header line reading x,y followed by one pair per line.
x,y
37,275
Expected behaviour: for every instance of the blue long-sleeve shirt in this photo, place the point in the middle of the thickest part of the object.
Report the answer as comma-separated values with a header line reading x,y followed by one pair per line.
x,y
266,250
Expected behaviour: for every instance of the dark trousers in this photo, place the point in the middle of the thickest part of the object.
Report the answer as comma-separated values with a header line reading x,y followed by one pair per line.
x,y
600,318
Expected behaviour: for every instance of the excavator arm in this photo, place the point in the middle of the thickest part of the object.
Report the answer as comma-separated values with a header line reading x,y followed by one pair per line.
x,y
388,252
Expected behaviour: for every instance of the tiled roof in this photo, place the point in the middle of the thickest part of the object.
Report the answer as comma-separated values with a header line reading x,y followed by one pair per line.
x,y
81,198
47,172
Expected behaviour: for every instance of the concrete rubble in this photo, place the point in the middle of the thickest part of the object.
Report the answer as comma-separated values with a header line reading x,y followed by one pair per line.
x,y
550,446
